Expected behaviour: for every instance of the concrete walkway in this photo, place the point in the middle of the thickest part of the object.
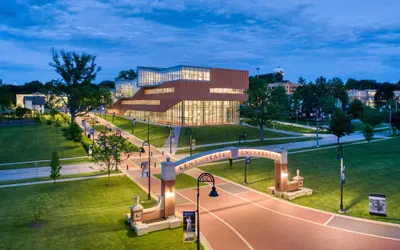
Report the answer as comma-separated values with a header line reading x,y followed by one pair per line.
x,y
243,218
275,130
33,162
171,144
25,173
59,180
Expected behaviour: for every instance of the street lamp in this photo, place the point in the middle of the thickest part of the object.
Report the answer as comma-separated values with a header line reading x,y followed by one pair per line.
x,y
147,143
190,138
342,176
204,177
171,136
108,126
243,137
317,112
133,125
113,117
117,133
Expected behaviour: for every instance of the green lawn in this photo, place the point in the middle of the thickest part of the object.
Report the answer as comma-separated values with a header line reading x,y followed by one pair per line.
x,y
370,168
249,144
359,126
84,215
223,133
61,177
35,142
158,134
184,181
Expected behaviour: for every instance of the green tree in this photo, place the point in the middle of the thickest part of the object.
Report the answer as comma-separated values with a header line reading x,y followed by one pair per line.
x,y
105,153
352,84
384,93
356,108
5,96
55,166
371,116
73,133
20,112
280,100
126,75
38,205
368,132
338,90
53,112
301,80
259,104
107,84
340,124
78,71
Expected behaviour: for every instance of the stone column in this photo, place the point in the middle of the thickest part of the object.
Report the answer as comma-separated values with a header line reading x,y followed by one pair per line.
x,y
136,212
281,178
168,187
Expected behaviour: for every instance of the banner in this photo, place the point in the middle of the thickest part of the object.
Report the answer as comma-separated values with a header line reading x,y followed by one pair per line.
x,y
145,169
377,204
189,226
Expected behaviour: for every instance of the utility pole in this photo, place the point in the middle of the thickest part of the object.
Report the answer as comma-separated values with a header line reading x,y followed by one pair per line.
x,y
390,118
258,72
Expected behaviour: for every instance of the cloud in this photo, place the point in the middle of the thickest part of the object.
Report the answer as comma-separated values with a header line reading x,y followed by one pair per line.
x,y
344,38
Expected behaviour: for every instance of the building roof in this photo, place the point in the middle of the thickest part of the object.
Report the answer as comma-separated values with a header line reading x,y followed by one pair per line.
x,y
36,100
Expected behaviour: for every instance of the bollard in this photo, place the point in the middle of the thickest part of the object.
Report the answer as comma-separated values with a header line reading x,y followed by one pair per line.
x,y
155,164
127,167
162,152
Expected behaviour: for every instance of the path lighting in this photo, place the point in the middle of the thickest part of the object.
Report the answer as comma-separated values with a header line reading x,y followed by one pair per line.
x,y
133,125
147,143
117,133
243,138
317,113
342,176
204,177
171,136
189,131
246,161
108,126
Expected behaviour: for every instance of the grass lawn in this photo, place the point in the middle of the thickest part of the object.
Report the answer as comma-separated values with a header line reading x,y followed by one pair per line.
x,y
359,126
100,127
158,134
84,215
249,144
223,133
61,177
35,142
370,168
184,181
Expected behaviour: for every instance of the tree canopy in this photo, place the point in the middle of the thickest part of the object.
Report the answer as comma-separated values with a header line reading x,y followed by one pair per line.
x,y
126,75
340,124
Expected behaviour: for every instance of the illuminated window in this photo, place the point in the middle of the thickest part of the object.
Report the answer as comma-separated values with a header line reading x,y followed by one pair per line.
x,y
226,91
141,102
159,91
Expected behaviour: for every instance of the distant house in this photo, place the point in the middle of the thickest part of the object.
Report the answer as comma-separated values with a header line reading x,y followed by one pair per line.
x,y
366,96
35,103
290,87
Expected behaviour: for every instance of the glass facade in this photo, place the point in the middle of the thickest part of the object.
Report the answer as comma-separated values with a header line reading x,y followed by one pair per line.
x,y
148,76
159,91
141,102
124,89
226,91
194,113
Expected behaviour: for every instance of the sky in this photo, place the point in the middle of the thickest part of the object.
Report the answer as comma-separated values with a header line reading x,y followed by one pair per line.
x,y
309,38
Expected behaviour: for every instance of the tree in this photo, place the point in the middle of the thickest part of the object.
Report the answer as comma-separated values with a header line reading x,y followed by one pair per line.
x,y
368,132
280,100
301,80
107,84
38,205
122,148
384,93
53,112
396,120
356,108
258,103
108,151
338,90
55,166
73,133
340,124
5,96
352,84
20,112
77,72
126,75
371,116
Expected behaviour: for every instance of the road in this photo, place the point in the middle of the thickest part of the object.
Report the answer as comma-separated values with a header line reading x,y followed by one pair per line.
x,y
242,218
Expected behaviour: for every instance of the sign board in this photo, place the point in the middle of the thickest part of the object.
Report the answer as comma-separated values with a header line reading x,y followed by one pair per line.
x,y
189,226
90,149
91,131
377,204
145,169
83,123
173,136
248,160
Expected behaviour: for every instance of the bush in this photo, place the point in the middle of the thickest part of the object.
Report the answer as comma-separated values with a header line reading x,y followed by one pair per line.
x,y
86,142
49,122
368,132
57,123
37,118
38,205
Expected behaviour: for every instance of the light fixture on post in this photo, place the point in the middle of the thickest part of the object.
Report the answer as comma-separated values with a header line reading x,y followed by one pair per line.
x,y
342,176
204,177
147,143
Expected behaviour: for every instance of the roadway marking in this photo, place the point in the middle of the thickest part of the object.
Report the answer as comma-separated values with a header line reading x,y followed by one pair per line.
x,y
316,223
329,220
226,223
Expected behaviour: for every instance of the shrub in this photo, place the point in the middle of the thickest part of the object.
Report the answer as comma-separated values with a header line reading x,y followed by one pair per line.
x,y
86,142
57,123
37,118
38,205
49,122
368,132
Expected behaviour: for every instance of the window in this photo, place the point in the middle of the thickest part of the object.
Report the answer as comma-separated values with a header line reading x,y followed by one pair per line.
x,y
226,91
141,102
159,91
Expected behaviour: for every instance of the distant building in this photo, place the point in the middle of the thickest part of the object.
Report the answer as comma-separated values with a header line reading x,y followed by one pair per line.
x,y
365,95
290,87
35,103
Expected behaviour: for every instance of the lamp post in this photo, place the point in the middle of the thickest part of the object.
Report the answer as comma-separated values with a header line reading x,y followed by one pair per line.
x,y
117,133
108,126
190,138
342,176
133,126
142,151
317,125
171,136
113,117
390,118
204,177
243,137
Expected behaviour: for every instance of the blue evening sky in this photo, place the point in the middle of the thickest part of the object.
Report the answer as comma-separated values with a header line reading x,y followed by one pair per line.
x,y
309,38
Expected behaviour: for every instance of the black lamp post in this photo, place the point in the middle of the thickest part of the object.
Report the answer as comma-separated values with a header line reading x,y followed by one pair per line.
x,y
317,112
133,125
204,177
117,133
143,151
113,117
244,138
171,136
342,177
